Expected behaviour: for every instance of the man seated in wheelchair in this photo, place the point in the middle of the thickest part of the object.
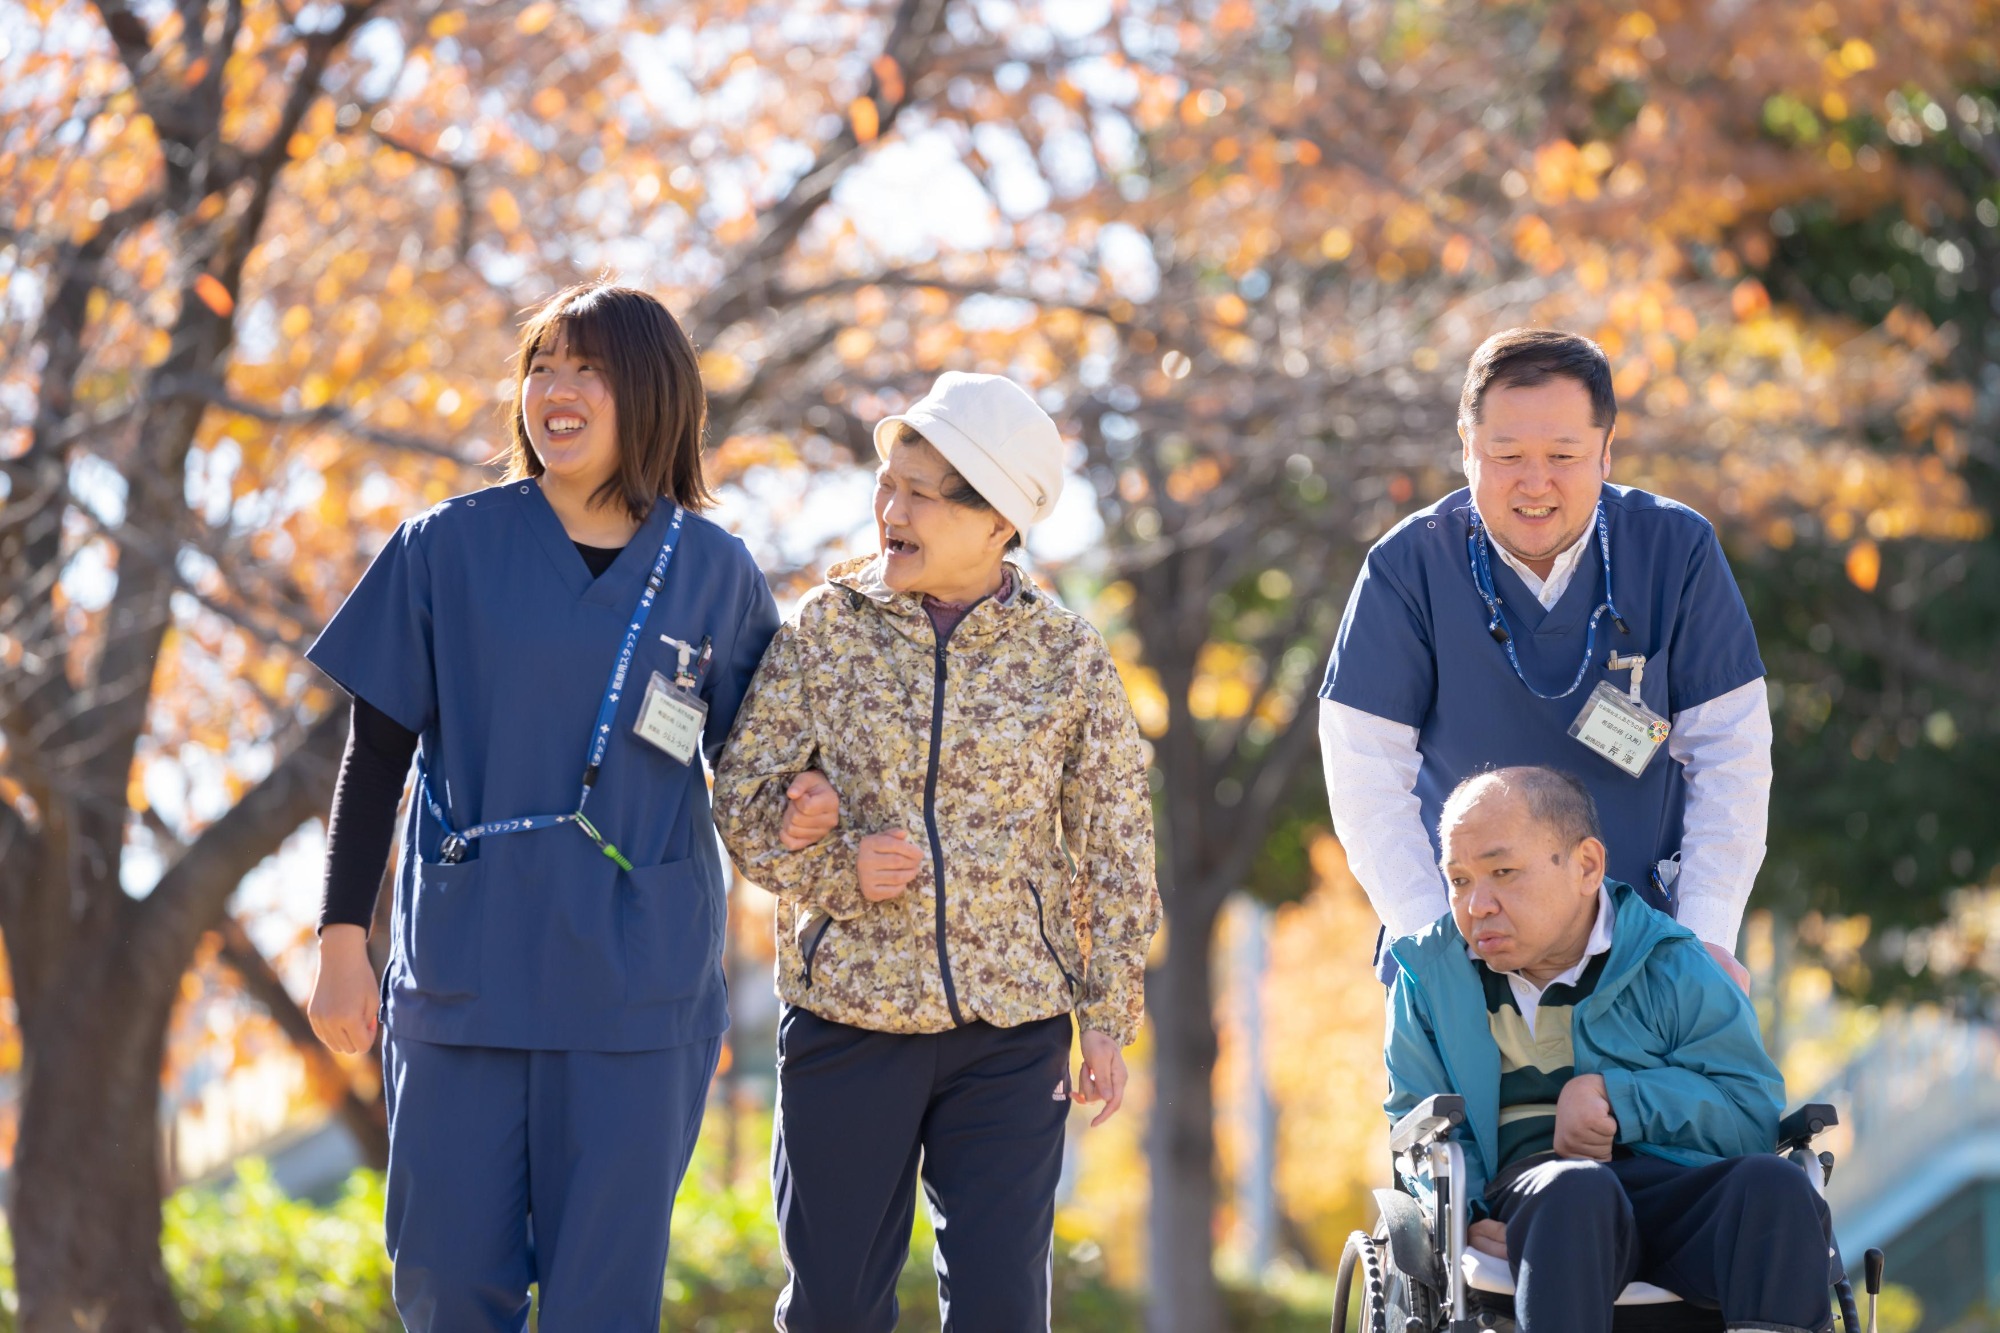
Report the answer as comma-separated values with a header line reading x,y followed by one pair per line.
x,y
1620,1108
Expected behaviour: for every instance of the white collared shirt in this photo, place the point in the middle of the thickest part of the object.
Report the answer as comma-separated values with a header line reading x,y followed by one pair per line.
x,y
1548,591
1528,995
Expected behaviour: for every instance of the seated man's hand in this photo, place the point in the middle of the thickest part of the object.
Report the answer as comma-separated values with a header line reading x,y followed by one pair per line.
x,y
1488,1237
1734,970
1585,1126
812,810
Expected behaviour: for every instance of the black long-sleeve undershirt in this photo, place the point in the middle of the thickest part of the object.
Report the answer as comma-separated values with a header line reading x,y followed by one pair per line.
x,y
362,827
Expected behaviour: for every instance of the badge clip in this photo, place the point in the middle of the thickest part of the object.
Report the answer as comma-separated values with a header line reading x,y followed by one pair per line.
x,y
682,676
452,850
1634,663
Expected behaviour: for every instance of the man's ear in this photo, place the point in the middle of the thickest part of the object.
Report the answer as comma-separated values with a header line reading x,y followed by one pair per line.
x,y
1609,435
1590,858
1464,447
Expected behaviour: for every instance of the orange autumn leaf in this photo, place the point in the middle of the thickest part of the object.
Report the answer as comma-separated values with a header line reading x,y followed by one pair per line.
x,y
866,119
890,75
1864,565
209,289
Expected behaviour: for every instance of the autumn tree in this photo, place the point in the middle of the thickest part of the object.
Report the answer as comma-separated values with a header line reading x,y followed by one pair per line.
x,y
270,262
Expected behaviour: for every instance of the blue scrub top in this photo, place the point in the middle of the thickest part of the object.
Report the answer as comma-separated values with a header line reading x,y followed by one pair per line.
x,y
480,628
1414,648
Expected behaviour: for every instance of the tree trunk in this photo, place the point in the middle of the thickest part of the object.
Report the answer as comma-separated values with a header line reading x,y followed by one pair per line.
x,y
88,1169
1181,1145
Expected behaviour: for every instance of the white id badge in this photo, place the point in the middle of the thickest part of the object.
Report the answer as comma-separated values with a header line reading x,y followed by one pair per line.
x,y
1620,728
671,719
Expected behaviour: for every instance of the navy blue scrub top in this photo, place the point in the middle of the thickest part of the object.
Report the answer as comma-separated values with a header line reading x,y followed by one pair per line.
x,y
480,628
1414,648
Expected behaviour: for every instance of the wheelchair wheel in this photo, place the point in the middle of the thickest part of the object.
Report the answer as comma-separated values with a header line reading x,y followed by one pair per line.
x,y
1359,1304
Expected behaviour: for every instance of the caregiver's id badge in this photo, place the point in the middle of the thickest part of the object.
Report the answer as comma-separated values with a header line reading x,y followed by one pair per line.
x,y
671,718
1620,727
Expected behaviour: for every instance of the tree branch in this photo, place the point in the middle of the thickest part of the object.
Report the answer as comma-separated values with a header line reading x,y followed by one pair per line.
x,y
189,898
365,1118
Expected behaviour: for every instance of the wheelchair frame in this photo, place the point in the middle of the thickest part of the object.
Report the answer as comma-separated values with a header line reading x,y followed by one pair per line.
x,y
1430,1266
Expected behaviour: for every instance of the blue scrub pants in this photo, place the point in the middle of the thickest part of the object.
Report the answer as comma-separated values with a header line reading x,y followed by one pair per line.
x,y
512,1167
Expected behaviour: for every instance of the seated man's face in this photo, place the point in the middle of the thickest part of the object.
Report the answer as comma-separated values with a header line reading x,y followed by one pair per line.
x,y
1523,901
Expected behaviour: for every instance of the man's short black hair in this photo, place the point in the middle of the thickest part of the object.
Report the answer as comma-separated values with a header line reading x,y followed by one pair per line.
x,y
1523,358
1557,800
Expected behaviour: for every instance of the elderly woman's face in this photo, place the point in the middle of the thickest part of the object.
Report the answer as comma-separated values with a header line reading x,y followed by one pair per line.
x,y
1520,898
932,545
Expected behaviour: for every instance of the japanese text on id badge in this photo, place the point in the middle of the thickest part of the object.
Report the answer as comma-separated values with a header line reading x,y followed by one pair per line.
x,y
671,719
1620,728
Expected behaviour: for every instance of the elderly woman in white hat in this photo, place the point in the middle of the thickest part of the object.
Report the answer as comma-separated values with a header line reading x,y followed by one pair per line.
x,y
938,773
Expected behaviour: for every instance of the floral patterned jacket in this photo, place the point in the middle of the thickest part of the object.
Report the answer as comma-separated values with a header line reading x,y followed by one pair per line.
x,y
1009,754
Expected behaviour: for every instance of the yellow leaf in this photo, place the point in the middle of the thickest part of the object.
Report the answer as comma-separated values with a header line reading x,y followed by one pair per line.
x,y
296,322
535,18
444,25
549,103
506,212
1336,243
867,120
1857,55
316,391
299,146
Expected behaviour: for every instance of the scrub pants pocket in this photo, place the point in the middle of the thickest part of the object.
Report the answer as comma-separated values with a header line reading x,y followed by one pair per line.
x,y
673,931
447,923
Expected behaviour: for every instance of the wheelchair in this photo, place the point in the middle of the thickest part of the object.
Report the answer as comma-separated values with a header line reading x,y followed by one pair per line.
x,y
1416,1274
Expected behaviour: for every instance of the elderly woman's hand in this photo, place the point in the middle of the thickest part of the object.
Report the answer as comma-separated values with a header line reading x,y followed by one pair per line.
x,y
812,810
887,862
1102,1078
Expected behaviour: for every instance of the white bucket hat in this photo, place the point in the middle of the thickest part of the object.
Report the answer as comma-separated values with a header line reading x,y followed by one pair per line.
x,y
998,438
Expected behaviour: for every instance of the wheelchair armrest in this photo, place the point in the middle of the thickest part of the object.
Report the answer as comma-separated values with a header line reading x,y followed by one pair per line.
x,y
1798,1129
1431,1118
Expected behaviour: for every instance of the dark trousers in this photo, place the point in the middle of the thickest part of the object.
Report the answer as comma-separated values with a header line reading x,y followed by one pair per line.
x,y
977,1111
554,1167
1749,1236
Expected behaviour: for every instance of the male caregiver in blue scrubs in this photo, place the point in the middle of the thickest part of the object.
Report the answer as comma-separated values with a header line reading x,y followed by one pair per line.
x,y
1541,616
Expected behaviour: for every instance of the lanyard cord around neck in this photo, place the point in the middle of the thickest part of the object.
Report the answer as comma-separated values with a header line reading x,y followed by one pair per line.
x,y
455,844
1479,555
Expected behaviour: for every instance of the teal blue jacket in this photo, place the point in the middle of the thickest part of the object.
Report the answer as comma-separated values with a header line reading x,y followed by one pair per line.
x,y
1674,1039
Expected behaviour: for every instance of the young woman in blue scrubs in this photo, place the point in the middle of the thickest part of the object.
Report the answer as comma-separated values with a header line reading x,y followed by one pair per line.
x,y
558,653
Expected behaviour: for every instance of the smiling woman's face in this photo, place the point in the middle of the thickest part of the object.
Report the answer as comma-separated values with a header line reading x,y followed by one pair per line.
x,y
929,543
571,418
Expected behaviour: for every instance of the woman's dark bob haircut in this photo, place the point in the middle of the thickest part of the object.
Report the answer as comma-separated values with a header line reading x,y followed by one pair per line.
x,y
655,381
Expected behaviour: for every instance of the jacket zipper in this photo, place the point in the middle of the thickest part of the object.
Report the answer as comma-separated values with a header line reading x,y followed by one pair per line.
x,y
811,948
1042,926
931,827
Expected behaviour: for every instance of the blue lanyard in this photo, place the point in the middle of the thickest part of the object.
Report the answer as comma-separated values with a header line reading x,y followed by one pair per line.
x,y
455,844
1481,560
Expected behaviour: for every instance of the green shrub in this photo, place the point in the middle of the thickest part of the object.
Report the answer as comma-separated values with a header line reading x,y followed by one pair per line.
x,y
248,1259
